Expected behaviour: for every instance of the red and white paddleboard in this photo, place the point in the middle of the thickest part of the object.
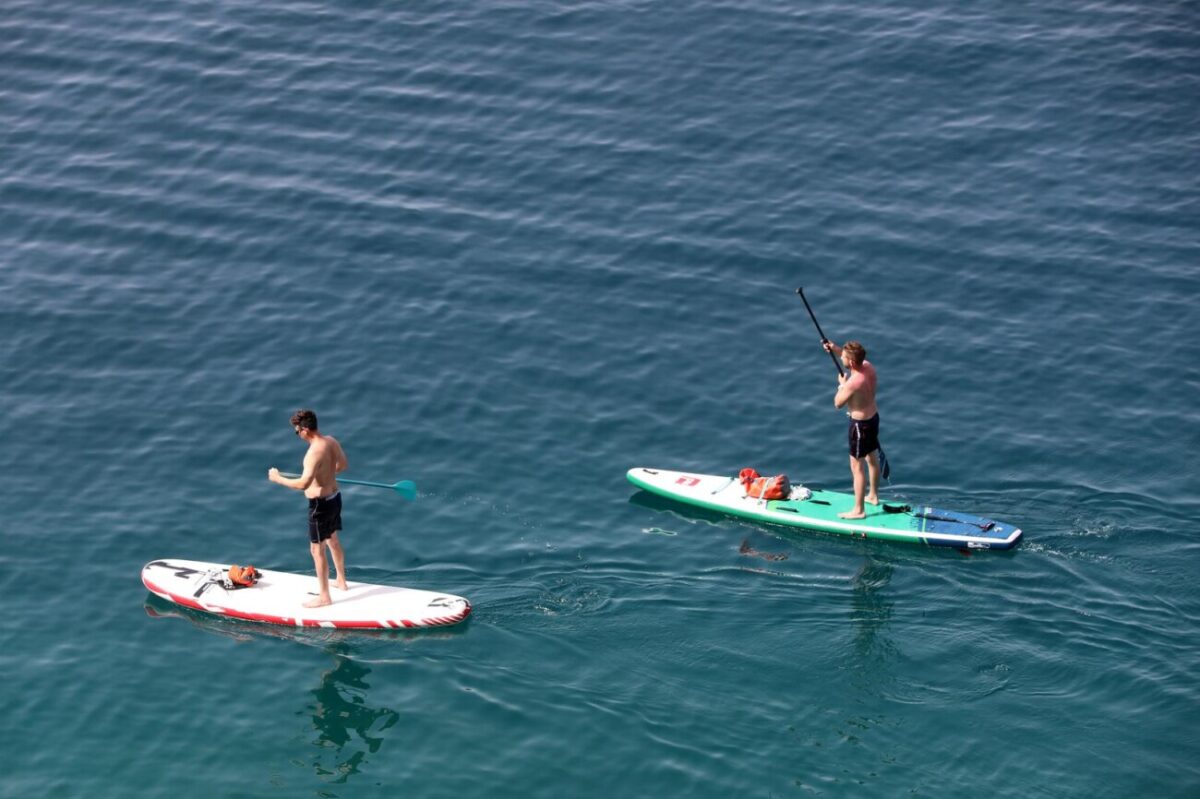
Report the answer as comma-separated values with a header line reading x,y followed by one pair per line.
x,y
279,597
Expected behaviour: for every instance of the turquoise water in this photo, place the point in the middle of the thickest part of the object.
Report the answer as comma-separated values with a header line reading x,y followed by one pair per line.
x,y
509,251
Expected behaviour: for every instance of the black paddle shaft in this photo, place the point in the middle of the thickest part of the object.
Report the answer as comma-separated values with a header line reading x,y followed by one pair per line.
x,y
820,332
885,467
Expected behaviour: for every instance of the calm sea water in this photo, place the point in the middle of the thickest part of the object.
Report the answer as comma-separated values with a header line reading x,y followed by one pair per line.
x,y
510,250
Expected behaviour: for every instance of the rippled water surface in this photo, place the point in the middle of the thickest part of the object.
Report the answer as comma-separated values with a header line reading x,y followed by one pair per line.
x,y
510,250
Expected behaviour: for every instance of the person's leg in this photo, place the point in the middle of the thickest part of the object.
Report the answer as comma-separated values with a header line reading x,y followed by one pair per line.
x,y
339,561
322,567
873,472
856,469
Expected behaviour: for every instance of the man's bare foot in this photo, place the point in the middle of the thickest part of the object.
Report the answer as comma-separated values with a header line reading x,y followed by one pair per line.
x,y
341,585
319,602
852,515
872,500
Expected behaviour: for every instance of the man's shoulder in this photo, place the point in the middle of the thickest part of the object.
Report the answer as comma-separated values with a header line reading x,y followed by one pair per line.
x,y
331,445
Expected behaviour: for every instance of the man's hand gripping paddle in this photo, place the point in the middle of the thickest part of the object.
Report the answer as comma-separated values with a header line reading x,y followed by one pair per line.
x,y
885,468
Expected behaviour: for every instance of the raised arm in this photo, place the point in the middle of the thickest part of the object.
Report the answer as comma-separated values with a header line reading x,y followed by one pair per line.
x,y
848,385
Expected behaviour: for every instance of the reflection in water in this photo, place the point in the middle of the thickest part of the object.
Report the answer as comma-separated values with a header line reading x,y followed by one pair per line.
x,y
857,717
348,727
690,513
749,551
871,613
872,660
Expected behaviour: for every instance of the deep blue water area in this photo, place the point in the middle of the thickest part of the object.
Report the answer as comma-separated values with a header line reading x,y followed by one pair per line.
x,y
509,251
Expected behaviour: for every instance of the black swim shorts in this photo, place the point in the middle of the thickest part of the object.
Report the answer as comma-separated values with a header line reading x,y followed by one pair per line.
x,y
864,436
324,517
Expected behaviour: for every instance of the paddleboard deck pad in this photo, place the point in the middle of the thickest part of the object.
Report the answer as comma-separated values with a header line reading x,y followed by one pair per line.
x,y
817,509
279,597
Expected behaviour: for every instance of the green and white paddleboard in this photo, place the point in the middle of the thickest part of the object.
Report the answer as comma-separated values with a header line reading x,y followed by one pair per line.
x,y
817,509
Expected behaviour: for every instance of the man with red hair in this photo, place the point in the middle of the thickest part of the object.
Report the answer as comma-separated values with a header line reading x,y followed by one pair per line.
x,y
856,393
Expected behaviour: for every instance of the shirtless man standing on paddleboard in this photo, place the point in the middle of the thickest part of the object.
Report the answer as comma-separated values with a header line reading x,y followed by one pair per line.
x,y
856,392
318,481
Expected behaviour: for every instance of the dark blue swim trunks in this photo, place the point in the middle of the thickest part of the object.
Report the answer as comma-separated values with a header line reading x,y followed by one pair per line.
x,y
864,436
324,517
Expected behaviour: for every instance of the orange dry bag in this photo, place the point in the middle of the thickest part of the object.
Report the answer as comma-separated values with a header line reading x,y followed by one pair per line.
x,y
242,576
777,487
